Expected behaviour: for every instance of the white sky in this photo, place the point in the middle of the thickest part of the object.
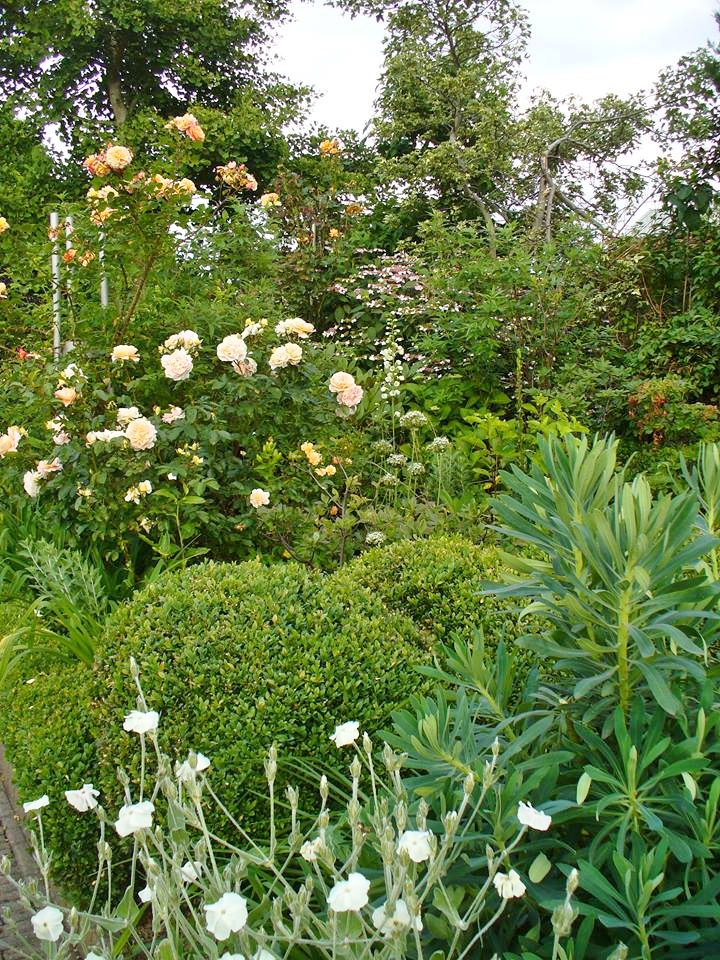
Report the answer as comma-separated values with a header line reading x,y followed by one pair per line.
x,y
581,47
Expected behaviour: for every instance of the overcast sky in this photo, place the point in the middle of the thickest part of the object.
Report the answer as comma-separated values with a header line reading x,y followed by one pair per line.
x,y
582,47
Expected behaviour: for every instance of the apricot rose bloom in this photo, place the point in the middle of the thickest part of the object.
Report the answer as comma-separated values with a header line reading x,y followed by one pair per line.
x,y
294,325
351,397
341,381
117,158
270,200
141,434
4,225
66,395
9,441
259,498
177,365
232,349
289,354
329,148
123,352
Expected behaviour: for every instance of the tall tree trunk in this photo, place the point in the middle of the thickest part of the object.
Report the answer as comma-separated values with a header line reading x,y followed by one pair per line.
x,y
114,87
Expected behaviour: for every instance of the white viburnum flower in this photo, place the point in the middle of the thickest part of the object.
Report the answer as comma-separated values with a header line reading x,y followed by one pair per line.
x,y
227,915
141,721
345,733
350,894
84,798
508,885
530,817
398,922
38,804
47,924
416,843
134,817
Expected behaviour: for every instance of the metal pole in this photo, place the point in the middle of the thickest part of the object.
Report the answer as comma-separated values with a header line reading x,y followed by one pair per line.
x,y
104,296
55,270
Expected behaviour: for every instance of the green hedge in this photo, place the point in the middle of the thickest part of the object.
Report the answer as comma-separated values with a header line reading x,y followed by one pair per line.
x,y
235,657
436,582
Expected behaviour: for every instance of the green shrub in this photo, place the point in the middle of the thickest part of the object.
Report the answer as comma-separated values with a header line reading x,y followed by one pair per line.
x,y
436,582
48,730
240,656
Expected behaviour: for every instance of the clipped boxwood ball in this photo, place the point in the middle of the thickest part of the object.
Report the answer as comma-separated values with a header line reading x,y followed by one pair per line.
x,y
236,657
436,582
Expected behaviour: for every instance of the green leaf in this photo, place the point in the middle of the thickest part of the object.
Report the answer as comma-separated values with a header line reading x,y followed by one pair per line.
x,y
539,868
583,788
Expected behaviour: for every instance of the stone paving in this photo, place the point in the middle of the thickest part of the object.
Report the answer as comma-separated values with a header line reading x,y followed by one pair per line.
x,y
13,844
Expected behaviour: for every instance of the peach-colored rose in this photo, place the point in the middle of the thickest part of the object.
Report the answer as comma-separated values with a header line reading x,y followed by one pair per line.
x,y
246,368
117,158
259,498
294,325
3,291
177,365
270,200
195,132
123,352
232,349
66,395
293,352
341,381
46,468
141,434
9,441
351,397
4,225
96,165
186,186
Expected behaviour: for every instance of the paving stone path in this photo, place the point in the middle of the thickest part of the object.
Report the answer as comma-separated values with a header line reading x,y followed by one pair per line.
x,y
13,844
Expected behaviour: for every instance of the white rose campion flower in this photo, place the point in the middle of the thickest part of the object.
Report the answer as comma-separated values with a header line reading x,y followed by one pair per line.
x,y
232,349
146,894
125,352
134,817
398,922
190,871
84,798
259,498
141,721
350,894
341,381
177,365
232,956
141,434
310,850
31,483
530,817
345,733
508,885
227,915
47,924
416,843
184,771
38,804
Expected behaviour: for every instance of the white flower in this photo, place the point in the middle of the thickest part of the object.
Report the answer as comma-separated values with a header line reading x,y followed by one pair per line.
x,y
397,923
145,487
190,871
71,372
185,772
288,354
84,798
31,483
177,365
232,956
508,885
133,817
47,924
94,956
36,804
146,894
173,414
141,721
123,352
141,434
259,498
350,894
232,349
228,915
126,414
346,733
530,817
416,843
311,849
46,468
